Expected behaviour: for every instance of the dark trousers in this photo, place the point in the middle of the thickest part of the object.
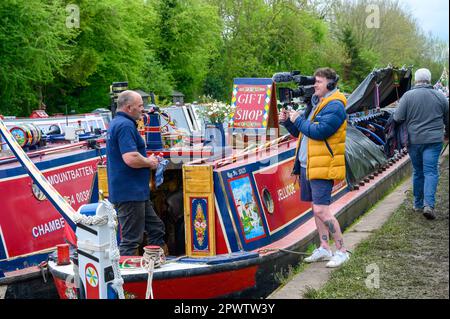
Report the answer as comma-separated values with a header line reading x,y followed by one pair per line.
x,y
134,219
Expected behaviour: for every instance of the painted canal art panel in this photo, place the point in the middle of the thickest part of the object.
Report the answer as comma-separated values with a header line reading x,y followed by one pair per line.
x,y
199,222
246,208
280,195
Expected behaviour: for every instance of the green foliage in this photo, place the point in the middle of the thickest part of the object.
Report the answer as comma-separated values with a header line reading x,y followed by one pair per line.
x,y
358,63
196,47
397,41
34,48
109,47
188,38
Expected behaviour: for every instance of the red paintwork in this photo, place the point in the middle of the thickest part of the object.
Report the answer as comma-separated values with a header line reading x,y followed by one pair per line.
x,y
24,216
63,289
285,192
193,287
91,282
250,99
39,114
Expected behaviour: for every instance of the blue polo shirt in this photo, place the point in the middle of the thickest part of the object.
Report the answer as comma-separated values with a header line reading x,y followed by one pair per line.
x,y
125,184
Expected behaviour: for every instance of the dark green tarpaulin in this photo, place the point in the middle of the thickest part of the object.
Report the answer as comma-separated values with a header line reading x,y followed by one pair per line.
x,y
363,156
392,84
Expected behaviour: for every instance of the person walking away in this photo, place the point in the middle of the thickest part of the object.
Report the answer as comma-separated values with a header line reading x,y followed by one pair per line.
x,y
425,113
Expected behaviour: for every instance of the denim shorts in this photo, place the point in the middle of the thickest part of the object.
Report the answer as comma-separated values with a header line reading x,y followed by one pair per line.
x,y
317,191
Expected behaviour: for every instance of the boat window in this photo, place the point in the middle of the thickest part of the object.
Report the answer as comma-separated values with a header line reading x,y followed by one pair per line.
x,y
44,127
178,118
200,121
192,118
101,124
268,201
85,125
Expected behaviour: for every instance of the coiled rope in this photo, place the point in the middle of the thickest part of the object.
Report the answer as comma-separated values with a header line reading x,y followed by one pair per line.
x,y
152,258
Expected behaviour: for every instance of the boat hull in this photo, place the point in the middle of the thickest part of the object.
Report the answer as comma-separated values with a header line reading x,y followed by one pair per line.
x,y
259,272
30,226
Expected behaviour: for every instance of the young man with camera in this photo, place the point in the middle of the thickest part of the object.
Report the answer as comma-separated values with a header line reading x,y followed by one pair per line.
x,y
320,158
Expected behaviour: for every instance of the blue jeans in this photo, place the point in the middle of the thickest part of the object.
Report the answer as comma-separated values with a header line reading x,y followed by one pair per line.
x,y
425,158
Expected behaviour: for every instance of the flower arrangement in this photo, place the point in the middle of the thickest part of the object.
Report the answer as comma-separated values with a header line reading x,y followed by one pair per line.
x,y
216,112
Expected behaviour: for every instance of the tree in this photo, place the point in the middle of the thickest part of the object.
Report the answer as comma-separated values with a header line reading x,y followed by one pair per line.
x,y
187,39
261,38
34,48
357,66
110,46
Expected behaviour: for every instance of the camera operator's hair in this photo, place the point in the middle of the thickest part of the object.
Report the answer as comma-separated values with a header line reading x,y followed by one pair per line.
x,y
327,73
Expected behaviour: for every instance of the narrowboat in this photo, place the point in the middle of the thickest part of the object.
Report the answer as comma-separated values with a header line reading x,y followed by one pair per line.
x,y
234,217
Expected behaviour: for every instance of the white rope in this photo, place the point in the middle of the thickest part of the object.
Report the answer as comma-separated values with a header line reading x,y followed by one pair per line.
x,y
153,258
114,253
149,290
155,254
90,220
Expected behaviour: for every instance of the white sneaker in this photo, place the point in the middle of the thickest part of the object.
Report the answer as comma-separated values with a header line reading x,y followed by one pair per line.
x,y
338,259
319,254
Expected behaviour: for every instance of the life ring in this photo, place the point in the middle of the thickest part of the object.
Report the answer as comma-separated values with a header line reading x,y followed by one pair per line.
x,y
26,135
20,134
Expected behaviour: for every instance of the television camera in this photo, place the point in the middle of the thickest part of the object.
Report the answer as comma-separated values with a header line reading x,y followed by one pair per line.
x,y
304,90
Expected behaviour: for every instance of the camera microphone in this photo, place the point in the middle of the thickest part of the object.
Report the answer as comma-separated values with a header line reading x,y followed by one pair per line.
x,y
282,77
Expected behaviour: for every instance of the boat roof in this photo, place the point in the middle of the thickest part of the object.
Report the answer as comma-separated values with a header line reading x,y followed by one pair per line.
x,y
364,96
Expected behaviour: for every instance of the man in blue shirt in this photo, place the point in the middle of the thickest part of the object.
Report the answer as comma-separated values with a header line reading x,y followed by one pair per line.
x,y
129,175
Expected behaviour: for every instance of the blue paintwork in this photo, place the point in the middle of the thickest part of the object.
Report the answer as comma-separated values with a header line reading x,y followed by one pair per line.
x,y
111,292
221,259
22,262
53,163
154,140
2,249
222,198
375,136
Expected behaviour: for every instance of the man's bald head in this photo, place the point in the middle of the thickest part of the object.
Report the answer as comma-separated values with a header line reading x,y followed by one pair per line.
x,y
126,97
131,103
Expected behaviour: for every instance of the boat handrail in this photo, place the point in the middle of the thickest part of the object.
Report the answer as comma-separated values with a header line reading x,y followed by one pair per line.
x,y
52,150
250,150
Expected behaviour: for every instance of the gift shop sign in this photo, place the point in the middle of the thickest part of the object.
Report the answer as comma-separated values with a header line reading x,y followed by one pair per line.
x,y
255,103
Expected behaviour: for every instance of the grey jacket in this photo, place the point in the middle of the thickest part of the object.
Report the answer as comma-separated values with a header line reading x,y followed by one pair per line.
x,y
425,113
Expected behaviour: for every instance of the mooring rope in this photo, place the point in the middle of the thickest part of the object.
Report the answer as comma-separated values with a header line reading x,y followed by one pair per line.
x,y
265,250
152,258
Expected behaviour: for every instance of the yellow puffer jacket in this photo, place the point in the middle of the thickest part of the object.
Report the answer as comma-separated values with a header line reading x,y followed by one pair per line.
x,y
326,161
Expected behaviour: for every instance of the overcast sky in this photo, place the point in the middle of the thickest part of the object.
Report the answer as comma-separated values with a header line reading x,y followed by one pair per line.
x,y
432,15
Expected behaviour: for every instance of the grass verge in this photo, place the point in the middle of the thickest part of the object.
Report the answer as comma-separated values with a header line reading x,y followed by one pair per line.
x,y
406,258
